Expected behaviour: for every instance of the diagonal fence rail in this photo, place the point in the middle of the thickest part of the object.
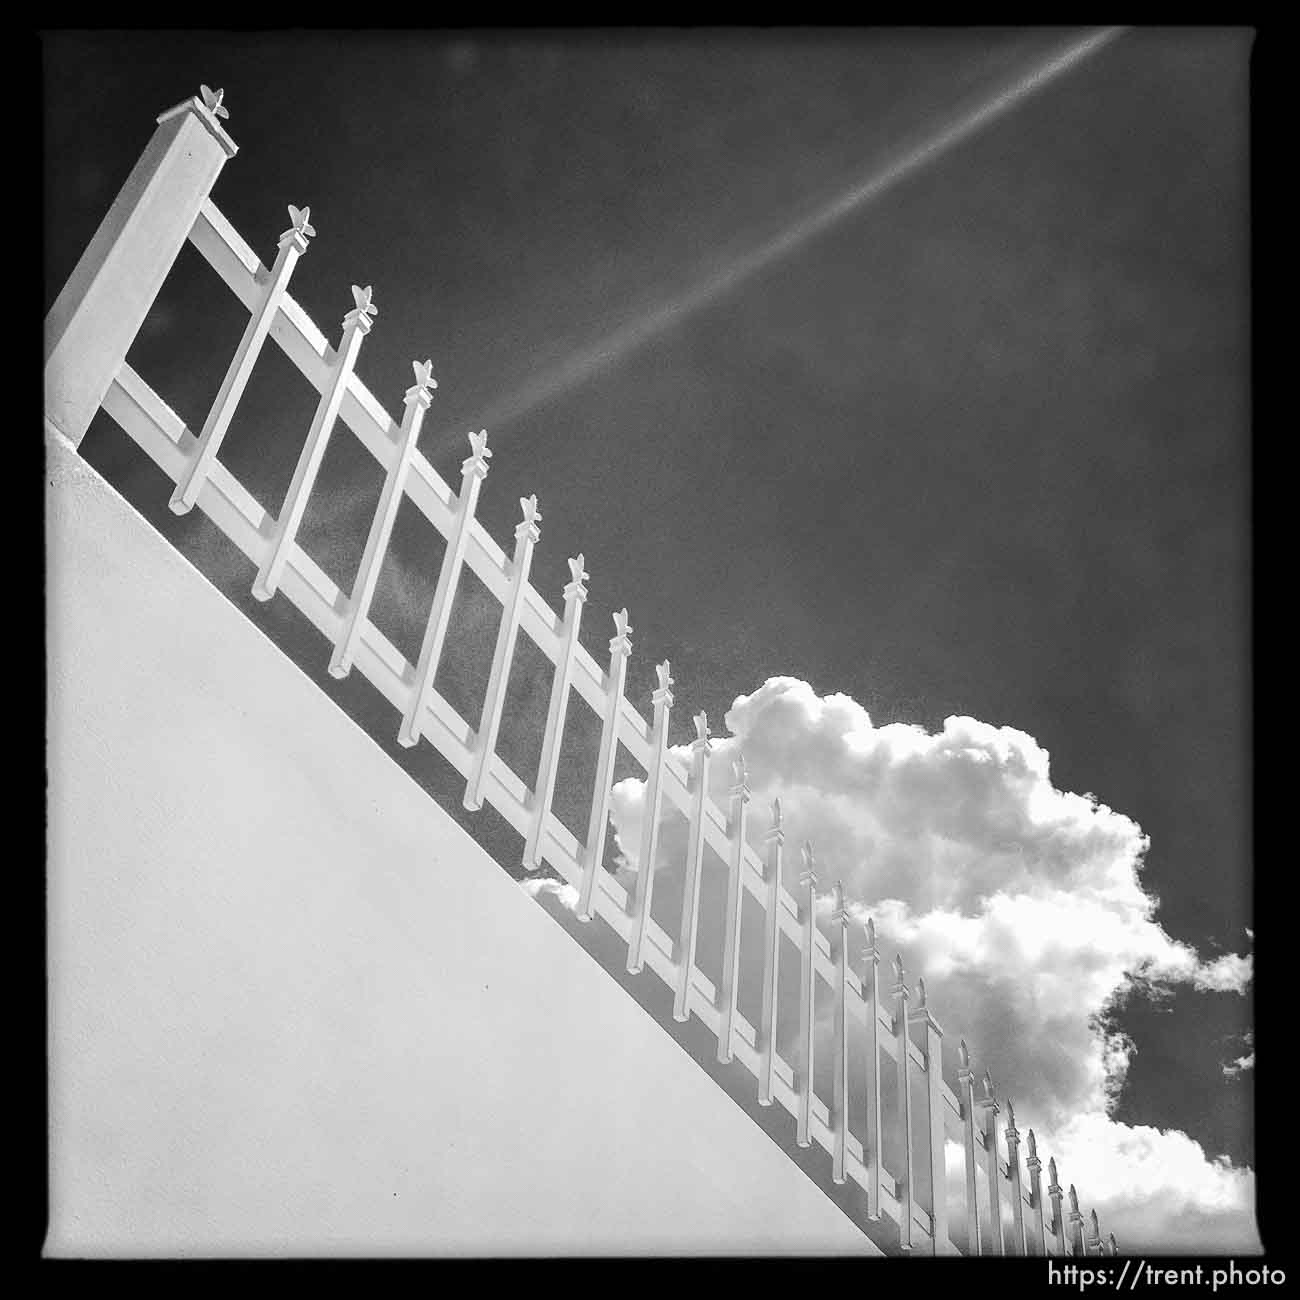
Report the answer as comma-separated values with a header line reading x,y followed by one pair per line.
x,y
918,1117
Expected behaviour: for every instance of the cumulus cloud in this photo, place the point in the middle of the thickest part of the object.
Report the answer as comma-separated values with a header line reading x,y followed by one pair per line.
x,y
1022,905
1156,1188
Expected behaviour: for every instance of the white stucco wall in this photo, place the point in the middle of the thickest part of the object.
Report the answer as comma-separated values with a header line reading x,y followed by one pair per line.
x,y
295,1009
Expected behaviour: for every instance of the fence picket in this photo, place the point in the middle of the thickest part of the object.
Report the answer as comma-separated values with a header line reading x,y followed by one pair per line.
x,y
1013,1173
575,595
735,897
1017,1192
807,992
417,400
473,471
1058,1221
840,1084
619,649
901,996
874,1153
934,1105
356,325
989,1107
966,1081
1035,1165
292,245
662,699
774,838
527,535
690,925
1076,1224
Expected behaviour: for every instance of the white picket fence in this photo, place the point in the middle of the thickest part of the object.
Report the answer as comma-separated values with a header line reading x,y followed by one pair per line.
x,y
166,201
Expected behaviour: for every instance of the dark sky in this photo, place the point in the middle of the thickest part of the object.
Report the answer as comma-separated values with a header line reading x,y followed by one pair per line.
x,y
981,448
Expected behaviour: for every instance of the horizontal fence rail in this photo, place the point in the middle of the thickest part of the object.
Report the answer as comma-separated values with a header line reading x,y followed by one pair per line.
x,y
890,1017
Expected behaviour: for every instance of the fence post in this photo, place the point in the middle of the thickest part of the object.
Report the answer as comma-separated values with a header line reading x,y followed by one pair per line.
x,y
735,900
872,1150
356,325
934,1119
662,699
1036,1195
292,245
988,1104
840,1083
966,1082
527,535
473,470
694,862
417,399
1076,1224
593,855
95,318
774,838
807,995
1058,1221
1017,1192
575,594
903,1040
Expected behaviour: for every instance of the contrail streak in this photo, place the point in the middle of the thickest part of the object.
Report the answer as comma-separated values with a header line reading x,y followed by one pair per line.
x,y
632,335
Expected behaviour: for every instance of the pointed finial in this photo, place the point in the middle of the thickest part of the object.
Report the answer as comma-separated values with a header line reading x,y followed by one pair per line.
x,y
212,101
1074,1200
424,374
1051,1172
532,515
1096,1227
579,575
1011,1115
620,645
839,914
920,993
299,225
1114,1245
364,300
480,453
900,983
424,383
740,787
663,693
776,832
988,1084
1033,1146
701,741
808,876
871,954
364,308
963,1056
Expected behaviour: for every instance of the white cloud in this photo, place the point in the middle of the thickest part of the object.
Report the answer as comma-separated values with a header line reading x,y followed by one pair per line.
x,y
1021,904
1154,1188
1228,974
